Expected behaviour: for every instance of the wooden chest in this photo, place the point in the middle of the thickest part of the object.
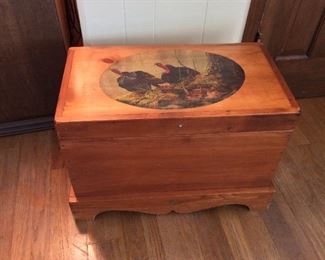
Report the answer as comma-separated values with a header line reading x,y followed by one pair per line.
x,y
172,128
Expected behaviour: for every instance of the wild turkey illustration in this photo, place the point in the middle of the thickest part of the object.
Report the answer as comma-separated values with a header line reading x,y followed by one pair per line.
x,y
176,75
136,81
167,79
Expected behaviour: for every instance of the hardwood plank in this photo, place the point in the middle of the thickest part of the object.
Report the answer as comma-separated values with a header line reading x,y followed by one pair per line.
x,y
290,241
134,238
9,156
155,247
234,232
67,239
303,196
31,192
125,236
176,228
212,238
38,221
256,230
106,238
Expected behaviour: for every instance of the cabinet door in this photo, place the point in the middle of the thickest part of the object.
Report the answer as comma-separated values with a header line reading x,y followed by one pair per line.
x,y
32,56
294,33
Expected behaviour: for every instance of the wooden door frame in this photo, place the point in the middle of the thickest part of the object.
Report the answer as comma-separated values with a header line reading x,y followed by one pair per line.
x,y
253,21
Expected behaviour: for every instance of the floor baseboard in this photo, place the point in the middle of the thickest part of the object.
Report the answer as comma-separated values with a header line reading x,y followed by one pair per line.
x,y
26,126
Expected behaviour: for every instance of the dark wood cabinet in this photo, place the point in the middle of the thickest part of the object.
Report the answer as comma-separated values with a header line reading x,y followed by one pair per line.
x,y
32,56
293,31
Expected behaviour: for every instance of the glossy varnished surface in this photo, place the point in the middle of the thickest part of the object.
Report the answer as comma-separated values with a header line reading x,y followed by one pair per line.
x,y
36,222
82,99
130,166
172,79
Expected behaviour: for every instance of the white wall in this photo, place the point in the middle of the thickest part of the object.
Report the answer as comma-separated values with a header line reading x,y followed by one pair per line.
x,y
162,21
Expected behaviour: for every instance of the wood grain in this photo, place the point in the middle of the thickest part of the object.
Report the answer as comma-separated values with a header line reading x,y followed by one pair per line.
x,y
31,181
294,32
36,221
309,81
32,55
131,166
76,101
103,131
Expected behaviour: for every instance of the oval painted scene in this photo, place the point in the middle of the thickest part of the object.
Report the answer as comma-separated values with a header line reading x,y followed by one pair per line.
x,y
172,79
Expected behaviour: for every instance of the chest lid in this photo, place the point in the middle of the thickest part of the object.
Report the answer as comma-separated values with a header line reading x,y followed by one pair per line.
x,y
123,83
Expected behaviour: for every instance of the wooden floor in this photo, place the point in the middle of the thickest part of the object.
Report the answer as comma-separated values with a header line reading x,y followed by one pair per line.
x,y
36,223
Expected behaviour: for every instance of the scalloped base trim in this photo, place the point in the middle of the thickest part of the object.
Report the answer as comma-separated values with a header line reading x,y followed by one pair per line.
x,y
87,208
